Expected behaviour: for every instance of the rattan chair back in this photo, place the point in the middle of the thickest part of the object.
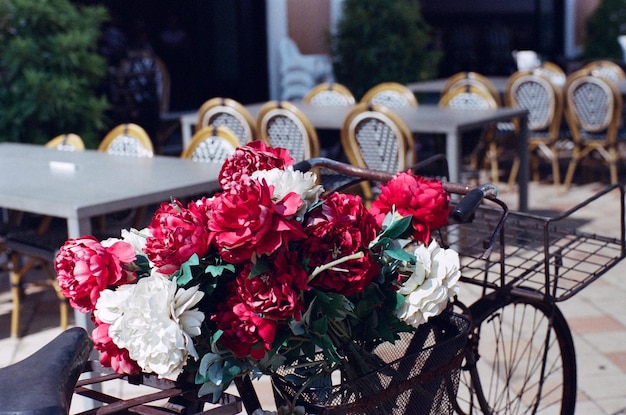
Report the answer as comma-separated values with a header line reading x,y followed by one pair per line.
x,y
553,72
127,140
329,93
474,79
374,137
391,95
535,92
608,69
282,124
231,114
212,144
593,108
67,142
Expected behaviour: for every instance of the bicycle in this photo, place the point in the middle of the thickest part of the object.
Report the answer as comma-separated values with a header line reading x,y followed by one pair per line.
x,y
520,356
521,264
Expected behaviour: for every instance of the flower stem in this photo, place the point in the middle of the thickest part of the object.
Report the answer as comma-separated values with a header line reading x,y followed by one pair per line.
x,y
334,263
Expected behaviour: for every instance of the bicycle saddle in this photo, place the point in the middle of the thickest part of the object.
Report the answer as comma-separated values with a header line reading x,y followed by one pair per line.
x,y
43,383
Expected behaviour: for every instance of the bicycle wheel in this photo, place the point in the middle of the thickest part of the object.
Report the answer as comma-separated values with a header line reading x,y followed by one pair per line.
x,y
521,359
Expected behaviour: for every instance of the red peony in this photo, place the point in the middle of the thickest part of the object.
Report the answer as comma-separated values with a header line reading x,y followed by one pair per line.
x,y
245,332
275,294
177,234
246,222
425,199
256,155
84,268
111,355
341,226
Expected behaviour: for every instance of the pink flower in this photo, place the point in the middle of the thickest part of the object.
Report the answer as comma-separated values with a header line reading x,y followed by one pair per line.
x,y
177,234
246,222
84,268
342,226
275,294
246,333
425,199
254,156
111,355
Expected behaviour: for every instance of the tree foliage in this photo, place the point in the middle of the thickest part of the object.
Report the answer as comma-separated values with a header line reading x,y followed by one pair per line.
x,y
380,41
604,25
50,71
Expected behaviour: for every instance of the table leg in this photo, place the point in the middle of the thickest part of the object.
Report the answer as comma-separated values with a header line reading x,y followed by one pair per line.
x,y
524,174
453,154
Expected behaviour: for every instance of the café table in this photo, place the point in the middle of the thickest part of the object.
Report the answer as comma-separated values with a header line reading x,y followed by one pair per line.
x,y
423,119
80,185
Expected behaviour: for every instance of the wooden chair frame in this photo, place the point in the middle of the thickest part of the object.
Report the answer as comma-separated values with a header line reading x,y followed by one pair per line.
x,y
135,132
329,93
544,123
284,109
353,147
210,110
607,126
214,132
400,93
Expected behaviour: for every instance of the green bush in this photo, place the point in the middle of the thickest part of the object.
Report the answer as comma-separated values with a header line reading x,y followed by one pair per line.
x,y
606,22
380,41
50,71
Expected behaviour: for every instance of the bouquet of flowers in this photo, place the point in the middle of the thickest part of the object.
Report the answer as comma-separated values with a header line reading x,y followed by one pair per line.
x,y
265,272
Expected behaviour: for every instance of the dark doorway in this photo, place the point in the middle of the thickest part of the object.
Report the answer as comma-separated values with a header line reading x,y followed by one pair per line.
x,y
210,47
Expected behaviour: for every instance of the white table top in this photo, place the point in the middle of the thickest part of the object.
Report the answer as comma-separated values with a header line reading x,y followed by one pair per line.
x,y
98,183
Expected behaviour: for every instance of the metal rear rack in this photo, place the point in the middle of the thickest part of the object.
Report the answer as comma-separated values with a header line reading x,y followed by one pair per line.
x,y
548,257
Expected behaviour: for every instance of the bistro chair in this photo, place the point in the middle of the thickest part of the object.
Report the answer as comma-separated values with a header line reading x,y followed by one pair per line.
x,y
282,124
593,108
374,137
212,144
474,79
471,97
67,142
231,114
535,92
127,140
391,95
608,69
329,93
553,72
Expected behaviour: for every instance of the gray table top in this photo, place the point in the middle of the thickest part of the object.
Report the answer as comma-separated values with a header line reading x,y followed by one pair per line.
x,y
421,119
84,184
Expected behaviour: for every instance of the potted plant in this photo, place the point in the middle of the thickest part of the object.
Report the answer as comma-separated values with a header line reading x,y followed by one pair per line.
x,y
50,71
379,41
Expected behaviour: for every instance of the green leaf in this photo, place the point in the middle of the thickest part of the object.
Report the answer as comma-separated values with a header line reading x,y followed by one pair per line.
x,y
401,255
259,268
184,274
218,270
398,228
320,326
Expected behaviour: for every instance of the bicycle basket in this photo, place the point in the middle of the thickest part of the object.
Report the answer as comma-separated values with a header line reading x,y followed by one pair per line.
x,y
421,376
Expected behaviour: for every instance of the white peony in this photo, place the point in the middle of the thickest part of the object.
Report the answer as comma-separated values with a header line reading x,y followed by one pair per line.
x,y
155,320
136,238
432,283
290,180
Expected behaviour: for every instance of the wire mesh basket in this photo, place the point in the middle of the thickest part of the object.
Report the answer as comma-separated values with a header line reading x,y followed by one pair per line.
x,y
420,376
552,257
